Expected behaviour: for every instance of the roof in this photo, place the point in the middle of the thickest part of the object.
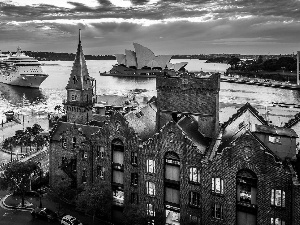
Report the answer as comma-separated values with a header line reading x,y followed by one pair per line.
x,y
241,110
143,121
114,100
293,121
87,130
273,130
79,78
189,126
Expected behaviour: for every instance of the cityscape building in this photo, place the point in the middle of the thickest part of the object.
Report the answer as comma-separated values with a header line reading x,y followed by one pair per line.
x,y
173,160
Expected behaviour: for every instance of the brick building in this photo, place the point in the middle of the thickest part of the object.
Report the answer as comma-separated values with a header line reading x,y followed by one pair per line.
x,y
174,160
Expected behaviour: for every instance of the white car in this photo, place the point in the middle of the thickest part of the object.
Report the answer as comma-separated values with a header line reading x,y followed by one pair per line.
x,y
70,220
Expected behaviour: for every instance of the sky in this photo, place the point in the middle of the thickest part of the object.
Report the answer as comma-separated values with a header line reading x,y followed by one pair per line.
x,y
165,26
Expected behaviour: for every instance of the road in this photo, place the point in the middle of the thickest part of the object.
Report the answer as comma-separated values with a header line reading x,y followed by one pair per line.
x,y
18,217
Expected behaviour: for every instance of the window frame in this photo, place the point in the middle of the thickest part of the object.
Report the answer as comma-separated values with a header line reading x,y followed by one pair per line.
x,y
191,175
214,212
274,197
194,197
134,158
150,188
150,169
150,210
214,187
134,179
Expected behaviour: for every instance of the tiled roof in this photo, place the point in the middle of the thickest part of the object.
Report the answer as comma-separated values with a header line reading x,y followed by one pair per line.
x,y
241,110
87,130
273,130
293,121
143,121
114,100
79,77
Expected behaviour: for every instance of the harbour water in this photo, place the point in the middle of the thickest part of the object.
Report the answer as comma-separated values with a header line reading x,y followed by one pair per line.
x,y
52,91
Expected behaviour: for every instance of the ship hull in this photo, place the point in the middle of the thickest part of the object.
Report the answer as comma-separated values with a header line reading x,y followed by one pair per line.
x,y
25,80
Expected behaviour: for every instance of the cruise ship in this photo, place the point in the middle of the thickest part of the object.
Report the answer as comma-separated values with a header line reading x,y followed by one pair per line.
x,y
143,63
21,70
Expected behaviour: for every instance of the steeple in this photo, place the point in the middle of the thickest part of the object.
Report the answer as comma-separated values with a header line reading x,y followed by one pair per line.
x,y
79,78
79,102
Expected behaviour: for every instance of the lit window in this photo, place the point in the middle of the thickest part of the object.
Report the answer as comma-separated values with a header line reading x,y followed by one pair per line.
x,y
217,211
100,171
100,152
74,142
274,139
133,158
277,221
134,179
194,175
150,187
150,166
150,210
194,199
217,185
278,198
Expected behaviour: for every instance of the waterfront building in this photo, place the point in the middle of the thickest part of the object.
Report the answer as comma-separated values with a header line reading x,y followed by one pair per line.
x,y
173,160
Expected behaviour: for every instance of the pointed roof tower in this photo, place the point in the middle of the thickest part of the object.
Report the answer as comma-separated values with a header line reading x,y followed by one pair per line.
x,y
79,77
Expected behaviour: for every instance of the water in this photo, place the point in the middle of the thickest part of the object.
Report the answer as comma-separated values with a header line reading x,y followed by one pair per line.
x,y
52,91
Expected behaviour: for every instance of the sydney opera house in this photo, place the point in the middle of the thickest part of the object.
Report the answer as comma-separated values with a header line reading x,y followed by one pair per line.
x,y
143,62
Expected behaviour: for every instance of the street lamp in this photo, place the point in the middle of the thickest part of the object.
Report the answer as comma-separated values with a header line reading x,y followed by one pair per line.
x,y
41,205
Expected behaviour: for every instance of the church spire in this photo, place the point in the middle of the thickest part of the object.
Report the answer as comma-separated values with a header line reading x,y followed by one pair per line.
x,y
79,78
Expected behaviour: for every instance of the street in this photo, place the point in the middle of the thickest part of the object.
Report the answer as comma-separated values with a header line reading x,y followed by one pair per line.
x,y
18,217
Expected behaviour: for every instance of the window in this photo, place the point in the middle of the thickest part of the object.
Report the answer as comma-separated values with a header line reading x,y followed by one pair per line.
x,y
84,154
195,219
100,171
278,198
194,175
274,139
83,176
118,197
172,195
150,188
150,166
217,211
150,210
134,198
245,193
134,179
64,143
134,158
100,152
194,199
118,177
217,185
241,125
74,142
277,221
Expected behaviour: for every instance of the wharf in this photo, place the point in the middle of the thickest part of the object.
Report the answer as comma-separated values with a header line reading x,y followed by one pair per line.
x,y
260,82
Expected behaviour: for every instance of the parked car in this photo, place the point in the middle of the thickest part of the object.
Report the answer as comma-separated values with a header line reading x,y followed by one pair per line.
x,y
70,220
44,213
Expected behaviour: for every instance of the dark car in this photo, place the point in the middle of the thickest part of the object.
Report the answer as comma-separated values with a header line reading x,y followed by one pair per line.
x,y
44,213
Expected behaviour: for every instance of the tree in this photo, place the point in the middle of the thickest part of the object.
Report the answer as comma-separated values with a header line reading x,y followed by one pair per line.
x,y
233,62
58,191
16,177
36,129
94,200
39,140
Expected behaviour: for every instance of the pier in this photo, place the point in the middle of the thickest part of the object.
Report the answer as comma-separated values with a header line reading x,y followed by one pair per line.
x,y
261,82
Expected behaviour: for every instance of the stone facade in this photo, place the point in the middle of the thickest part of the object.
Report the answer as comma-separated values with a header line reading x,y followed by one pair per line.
x,y
178,171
